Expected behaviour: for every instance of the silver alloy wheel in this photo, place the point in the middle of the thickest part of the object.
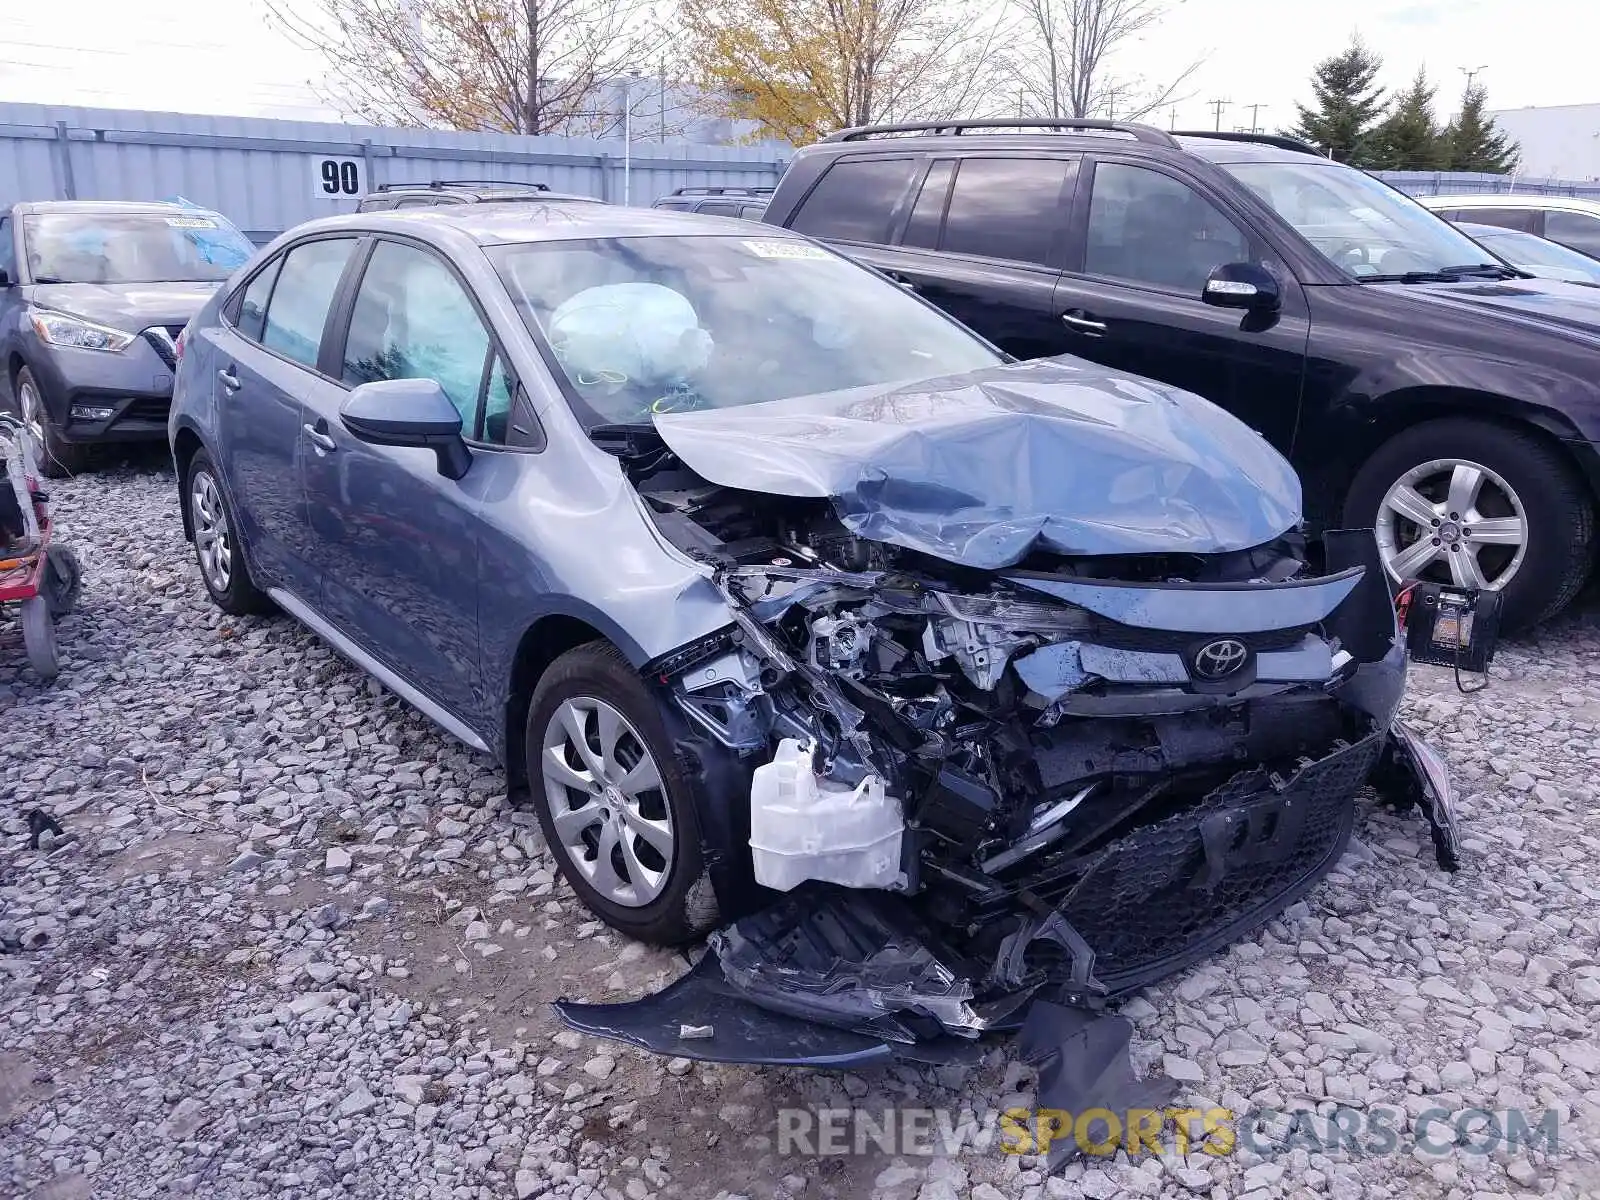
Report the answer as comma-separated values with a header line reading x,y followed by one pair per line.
x,y
1434,518
607,802
32,409
213,542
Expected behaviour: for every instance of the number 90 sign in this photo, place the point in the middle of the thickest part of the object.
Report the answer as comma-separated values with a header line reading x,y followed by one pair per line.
x,y
338,178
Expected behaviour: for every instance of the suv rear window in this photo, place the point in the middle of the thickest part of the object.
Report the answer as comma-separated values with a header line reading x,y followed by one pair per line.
x,y
1579,231
854,200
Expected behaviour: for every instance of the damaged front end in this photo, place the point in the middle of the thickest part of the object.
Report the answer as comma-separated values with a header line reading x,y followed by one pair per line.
x,y
1052,777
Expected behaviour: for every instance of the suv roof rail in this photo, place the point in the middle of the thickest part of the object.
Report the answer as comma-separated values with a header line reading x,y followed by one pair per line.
x,y
1265,139
1140,133
436,185
735,190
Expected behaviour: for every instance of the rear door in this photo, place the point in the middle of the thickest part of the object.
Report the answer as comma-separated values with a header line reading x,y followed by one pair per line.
x,y
1145,240
265,352
984,240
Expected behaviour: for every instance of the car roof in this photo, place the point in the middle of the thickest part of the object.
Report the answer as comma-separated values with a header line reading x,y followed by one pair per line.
x,y
484,195
104,207
983,135
510,224
1512,200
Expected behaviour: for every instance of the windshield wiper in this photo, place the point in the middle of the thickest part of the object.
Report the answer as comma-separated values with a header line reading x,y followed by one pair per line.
x,y
1446,274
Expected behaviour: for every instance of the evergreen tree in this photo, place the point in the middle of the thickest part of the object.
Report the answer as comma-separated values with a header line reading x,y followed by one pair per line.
x,y
1348,106
1410,140
1475,142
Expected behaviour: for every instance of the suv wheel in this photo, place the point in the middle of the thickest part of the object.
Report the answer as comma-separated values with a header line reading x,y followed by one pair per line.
x,y
57,458
1478,505
615,810
216,543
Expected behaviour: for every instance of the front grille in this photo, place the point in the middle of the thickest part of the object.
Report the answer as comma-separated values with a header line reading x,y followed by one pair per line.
x,y
147,408
1103,632
165,339
1152,902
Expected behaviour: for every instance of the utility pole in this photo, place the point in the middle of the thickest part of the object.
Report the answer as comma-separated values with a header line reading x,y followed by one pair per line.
x,y
627,136
1218,106
1172,117
1255,111
1472,73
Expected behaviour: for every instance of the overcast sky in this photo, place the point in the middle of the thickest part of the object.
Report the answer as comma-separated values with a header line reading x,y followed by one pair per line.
x,y
220,56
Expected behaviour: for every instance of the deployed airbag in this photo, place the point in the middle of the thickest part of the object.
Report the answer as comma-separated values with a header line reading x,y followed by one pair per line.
x,y
981,469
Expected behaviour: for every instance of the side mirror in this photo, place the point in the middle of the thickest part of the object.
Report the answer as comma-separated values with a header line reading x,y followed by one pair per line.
x,y
409,412
1242,285
5,278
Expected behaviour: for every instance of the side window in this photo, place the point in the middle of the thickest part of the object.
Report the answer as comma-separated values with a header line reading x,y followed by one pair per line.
x,y
1579,231
1009,208
1506,218
752,212
299,306
927,215
412,319
1150,228
417,202
8,248
719,208
855,199
252,316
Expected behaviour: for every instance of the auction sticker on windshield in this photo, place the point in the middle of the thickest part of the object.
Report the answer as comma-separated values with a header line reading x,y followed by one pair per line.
x,y
191,222
786,249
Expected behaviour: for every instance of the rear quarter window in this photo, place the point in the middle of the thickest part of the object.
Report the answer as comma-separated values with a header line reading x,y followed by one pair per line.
x,y
855,199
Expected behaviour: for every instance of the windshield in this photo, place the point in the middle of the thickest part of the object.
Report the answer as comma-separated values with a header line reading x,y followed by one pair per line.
x,y
644,325
132,247
1361,225
1535,254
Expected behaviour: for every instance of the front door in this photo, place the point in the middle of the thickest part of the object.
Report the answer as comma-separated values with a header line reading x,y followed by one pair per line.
x,y
1130,298
396,542
263,362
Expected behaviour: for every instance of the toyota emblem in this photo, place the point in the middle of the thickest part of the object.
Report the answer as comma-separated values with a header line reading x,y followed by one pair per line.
x,y
1221,658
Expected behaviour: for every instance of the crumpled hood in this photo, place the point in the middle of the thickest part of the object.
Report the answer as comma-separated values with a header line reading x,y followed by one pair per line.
x,y
129,306
981,469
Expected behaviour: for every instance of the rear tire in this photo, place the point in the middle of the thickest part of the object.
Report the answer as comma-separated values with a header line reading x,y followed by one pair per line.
x,y
58,458
1519,475
218,549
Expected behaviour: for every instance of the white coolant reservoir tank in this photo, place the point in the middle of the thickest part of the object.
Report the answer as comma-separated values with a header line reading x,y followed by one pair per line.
x,y
806,827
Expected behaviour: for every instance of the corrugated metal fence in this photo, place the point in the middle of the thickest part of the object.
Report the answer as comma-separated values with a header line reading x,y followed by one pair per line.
x,y
1460,183
266,176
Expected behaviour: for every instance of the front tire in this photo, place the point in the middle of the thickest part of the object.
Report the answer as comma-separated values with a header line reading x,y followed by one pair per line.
x,y
58,458
217,548
1474,504
615,808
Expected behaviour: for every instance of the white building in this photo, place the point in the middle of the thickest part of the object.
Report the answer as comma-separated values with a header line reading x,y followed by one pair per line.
x,y
1560,142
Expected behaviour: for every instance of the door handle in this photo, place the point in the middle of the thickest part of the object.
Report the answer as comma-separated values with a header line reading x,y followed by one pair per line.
x,y
901,280
1082,324
320,440
229,379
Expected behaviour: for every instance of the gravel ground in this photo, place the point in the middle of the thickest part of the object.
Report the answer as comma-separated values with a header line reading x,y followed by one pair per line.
x,y
297,945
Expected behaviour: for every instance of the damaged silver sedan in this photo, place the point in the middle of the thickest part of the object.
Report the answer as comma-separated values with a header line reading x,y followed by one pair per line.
x,y
948,695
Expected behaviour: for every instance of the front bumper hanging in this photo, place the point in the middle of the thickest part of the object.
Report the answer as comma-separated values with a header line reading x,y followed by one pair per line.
x,y
834,978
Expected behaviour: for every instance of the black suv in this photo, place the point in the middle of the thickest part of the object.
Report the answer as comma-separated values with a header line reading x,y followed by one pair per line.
x,y
746,202
458,191
1417,382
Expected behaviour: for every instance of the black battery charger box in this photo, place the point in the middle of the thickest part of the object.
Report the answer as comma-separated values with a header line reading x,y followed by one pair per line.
x,y
1451,627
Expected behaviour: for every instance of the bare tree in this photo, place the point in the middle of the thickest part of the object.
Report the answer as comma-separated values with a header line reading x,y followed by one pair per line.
x,y
1068,69
802,68
517,66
